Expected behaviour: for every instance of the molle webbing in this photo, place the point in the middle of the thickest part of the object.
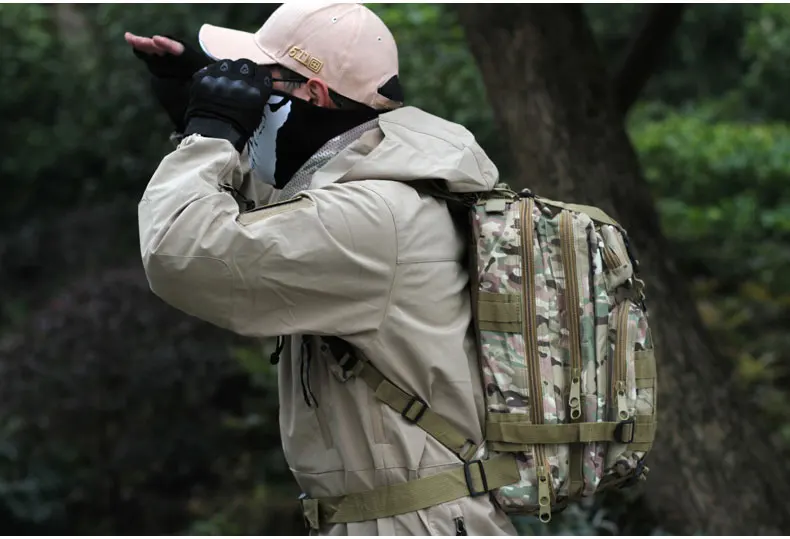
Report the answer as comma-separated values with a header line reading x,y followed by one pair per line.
x,y
499,312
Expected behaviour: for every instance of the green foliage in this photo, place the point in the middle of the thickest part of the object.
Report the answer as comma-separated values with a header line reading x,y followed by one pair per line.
x,y
729,60
30,55
80,125
724,202
438,71
723,194
703,60
121,415
767,47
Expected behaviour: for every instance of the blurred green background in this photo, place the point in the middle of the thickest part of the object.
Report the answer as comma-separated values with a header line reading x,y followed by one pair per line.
x,y
119,415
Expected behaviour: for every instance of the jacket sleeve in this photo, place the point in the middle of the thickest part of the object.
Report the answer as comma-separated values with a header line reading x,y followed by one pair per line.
x,y
322,263
248,192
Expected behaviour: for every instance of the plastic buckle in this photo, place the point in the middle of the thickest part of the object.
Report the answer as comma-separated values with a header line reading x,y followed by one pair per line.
x,y
618,431
420,413
470,483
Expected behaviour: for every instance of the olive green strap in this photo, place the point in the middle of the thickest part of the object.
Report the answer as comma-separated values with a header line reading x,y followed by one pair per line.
x,y
499,312
504,447
644,446
595,214
644,364
472,479
415,410
509,429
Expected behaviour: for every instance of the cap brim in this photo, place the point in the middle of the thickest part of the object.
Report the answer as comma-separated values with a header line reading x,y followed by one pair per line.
x,y
228,44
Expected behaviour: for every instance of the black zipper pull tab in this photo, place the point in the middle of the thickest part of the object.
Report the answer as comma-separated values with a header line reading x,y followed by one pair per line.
x,y
274,359
460,527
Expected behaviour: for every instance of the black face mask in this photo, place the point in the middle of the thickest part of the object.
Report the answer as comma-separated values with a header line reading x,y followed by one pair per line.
x,y
292,131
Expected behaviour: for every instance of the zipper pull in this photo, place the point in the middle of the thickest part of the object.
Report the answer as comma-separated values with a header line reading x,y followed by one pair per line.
x,y
460,527
622,404
574,400
274,359
544,495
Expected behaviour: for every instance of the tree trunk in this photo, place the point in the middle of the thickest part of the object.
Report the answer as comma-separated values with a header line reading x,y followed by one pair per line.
x,y
714,468
644,52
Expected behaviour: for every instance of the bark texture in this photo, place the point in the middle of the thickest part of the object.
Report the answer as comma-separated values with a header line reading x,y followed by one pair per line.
x,y
644,52
714,468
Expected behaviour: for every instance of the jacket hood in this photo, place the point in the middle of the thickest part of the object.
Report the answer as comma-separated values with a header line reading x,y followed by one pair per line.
x,y
410,145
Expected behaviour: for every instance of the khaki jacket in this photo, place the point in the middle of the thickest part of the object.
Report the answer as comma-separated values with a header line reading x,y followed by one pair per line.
x,y
361,255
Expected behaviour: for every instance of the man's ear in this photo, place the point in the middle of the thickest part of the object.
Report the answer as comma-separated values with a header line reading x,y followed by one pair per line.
x,y
318,93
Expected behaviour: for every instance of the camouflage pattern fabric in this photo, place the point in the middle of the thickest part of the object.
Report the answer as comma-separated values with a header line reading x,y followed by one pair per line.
x,y
603,270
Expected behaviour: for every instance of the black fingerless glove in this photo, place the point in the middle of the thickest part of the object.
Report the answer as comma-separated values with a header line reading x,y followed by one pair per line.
x,y
227,100
171,76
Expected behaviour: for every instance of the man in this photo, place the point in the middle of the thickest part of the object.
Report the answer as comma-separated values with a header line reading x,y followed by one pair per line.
x,y
356,263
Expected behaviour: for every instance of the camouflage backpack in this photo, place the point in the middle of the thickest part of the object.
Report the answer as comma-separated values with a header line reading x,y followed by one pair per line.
x,y
566,352
566,359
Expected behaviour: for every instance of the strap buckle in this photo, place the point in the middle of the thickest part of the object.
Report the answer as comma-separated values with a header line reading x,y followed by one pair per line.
x,y
413,401
620,431
470,482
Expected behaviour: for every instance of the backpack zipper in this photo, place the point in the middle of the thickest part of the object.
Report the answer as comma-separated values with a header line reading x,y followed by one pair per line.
x,y
618,376
572,300
567,241
531,352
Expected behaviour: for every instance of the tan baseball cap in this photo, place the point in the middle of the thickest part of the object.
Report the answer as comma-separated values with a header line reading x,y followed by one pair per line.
x,y
346,45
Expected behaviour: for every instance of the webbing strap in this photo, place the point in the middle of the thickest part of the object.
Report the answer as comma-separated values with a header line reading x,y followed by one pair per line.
x,y
595,214
644,364
473,479
644,446
501,428
416,411
499,312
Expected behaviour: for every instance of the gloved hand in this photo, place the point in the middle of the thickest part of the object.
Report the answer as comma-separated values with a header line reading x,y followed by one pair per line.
x,y
171,75
227,100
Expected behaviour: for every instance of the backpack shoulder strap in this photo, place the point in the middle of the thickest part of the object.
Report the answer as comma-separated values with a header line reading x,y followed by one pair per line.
x,y
412,408
471,478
